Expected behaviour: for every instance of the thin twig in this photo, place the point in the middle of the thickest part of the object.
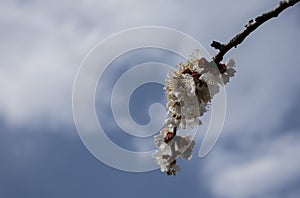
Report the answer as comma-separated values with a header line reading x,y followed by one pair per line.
x,y
250,27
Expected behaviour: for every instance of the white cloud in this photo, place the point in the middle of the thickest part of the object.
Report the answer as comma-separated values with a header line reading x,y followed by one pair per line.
x,y
267,168
39,58
42,46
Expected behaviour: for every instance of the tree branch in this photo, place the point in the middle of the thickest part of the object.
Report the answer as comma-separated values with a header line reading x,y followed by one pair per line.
x,y
250,27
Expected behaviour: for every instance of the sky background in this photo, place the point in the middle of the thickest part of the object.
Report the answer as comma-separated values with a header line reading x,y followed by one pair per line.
x,y
42,44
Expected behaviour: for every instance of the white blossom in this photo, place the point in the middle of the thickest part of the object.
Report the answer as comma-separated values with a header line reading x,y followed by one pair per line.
x,y
167,153
230,63
189,88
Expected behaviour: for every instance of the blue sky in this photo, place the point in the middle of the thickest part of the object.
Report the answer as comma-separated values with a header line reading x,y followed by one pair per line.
x,y
42,44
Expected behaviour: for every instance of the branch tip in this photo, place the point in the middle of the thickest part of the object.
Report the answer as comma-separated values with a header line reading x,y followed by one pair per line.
x,y
250,27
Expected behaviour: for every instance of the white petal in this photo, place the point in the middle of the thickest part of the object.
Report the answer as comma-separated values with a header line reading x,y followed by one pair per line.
x,y
230,63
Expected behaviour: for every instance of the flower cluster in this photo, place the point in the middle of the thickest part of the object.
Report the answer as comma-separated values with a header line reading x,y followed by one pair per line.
x,y
189,89
170,147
